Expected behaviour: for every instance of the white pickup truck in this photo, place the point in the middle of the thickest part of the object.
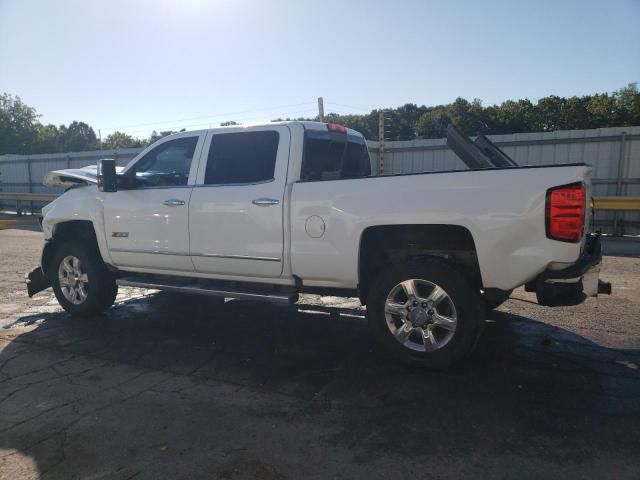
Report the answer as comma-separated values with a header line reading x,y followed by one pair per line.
x,y
271,211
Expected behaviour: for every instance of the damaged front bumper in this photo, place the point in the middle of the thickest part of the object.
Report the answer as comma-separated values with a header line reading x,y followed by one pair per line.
x,y
572,285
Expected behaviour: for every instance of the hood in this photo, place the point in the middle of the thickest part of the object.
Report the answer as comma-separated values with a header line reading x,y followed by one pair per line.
x,y
73,176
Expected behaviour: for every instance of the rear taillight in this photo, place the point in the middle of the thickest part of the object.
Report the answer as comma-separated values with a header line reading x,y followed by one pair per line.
x,y
566,212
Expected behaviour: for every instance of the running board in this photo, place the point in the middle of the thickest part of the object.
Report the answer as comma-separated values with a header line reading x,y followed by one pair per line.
x,y
203,289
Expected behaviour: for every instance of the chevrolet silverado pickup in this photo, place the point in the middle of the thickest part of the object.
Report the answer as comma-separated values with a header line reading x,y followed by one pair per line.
x,y
271,211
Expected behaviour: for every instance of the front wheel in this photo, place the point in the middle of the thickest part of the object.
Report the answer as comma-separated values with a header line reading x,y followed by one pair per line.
x,y
80,280
424,313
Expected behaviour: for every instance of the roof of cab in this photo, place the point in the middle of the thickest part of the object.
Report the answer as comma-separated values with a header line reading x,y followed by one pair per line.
x,y
307,125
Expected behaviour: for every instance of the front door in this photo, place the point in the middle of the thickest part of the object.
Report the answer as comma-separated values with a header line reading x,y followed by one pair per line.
x,y
236,209
147,224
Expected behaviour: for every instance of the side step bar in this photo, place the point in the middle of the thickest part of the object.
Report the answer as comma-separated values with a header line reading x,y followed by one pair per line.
x,y
217,291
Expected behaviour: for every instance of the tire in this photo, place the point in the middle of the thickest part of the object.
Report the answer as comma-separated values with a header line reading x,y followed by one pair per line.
x,y
95,287
443,342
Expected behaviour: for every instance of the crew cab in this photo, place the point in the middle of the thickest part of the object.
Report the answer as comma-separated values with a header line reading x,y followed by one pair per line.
x,y
267,212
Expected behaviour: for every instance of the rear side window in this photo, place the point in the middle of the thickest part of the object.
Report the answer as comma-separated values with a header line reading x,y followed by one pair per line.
x,y
244,157
329,156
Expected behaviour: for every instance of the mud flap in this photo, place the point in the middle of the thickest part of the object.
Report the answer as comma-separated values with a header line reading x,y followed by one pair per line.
x,y
36,281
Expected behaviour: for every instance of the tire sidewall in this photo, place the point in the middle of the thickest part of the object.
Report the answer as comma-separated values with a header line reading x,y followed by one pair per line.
x,y
455,285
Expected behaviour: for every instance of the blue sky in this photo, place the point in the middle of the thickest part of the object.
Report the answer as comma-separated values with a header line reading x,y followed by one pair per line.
x,y
143,65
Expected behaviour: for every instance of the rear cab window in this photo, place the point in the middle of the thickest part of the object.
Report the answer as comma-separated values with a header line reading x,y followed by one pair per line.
x,y
334,156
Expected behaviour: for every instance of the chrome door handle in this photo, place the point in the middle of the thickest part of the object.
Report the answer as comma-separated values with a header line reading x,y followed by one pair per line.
x,y
173,202
265,202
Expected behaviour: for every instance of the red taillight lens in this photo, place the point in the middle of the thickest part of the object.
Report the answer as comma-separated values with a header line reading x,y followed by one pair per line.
x,y
565,212
335,128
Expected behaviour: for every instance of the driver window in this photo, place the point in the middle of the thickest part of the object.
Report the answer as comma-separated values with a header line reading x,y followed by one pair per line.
x,y
166,165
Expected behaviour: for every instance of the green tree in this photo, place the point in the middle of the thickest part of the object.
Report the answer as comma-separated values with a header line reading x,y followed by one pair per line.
x,y
511,117
78,136
603,109
121,140
434,122
47,139
17,125
155,136
628,102
21,132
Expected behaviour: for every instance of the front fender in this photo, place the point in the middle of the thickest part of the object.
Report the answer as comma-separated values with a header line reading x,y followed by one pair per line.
x,y
82,203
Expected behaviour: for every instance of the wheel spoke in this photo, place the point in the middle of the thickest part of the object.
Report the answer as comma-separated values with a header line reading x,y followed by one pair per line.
x,y
393,308
429,339
84,278
409,288
403,332
64,281
66,264
76,264
82,293
73,295
448,323
437,295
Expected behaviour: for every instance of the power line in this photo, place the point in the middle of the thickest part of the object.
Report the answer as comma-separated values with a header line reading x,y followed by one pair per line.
x,y
339,112
349,106
309,112
209,116
206,124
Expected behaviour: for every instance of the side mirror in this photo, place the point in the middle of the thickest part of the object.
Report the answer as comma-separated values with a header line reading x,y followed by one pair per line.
x,y
106,175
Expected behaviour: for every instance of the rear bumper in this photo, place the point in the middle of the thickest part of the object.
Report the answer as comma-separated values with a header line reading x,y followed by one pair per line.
x,y
36,281
572,285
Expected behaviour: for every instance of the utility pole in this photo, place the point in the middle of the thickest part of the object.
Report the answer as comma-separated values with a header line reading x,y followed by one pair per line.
x,y
100,139
381,141
320,109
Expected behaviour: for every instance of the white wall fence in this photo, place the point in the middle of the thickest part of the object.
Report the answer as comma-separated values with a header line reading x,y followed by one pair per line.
x,y
614,154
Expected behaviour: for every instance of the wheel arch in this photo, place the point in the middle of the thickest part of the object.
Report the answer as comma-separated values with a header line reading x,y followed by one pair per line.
x,y
75,230
383,245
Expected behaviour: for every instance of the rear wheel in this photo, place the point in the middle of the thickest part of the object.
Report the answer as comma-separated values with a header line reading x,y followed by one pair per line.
x,y
81,282
424,313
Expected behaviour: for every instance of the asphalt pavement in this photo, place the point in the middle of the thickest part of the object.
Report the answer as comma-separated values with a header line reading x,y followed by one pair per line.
x,y
168,386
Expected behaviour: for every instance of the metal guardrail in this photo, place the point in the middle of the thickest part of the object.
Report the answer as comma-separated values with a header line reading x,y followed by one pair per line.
x,y
19,197
6,224
29,197
617,204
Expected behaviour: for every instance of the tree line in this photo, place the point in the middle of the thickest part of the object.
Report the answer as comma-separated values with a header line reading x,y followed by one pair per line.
x,y
620,108
21,132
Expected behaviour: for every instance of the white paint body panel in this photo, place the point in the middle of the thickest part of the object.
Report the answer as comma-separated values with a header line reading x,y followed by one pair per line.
x,y
229,234
154,235
502,209
157,235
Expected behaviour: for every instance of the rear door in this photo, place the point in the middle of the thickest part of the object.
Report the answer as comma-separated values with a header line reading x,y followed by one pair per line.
x,y
236,208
